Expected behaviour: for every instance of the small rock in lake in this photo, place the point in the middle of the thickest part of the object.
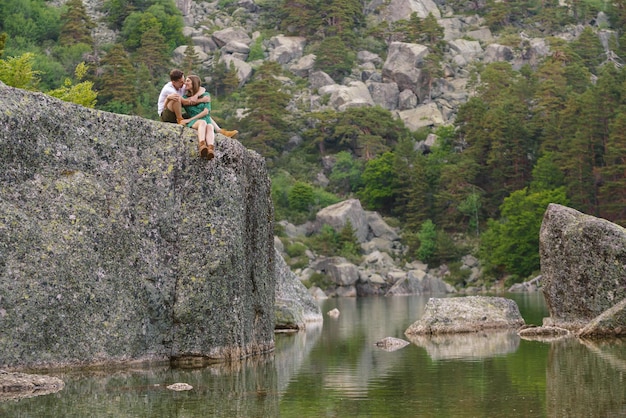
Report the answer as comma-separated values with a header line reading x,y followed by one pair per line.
x,y
391,344
180,386
334,313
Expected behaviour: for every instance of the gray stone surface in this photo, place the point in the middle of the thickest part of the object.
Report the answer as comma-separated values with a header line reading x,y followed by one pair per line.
x,y
294,306
117,242
467,314
583,266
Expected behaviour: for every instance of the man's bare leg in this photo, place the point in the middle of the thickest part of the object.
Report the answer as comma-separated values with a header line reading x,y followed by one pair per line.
x,y
177,109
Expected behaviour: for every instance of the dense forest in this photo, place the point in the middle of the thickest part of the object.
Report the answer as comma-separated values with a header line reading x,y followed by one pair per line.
x,y
525,138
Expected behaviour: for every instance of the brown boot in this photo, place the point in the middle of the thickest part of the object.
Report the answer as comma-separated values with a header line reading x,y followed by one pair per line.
x,y
210,152
229,134
203,150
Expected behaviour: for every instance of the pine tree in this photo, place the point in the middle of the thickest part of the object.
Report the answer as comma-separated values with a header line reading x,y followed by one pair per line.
x,y
612,193
191,60
117,81
76,24
151,53
265,124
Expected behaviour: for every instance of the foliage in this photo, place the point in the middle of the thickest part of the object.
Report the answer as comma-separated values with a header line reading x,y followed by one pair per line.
x,y
345,176
428,241
265,125
334,57
81,93
301,197
379,178
329,242
18,72
164,16
511,244
76,24
257,51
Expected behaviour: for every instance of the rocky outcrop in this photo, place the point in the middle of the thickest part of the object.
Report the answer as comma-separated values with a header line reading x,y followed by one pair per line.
x,y
467,314
583,266
295,307
118,243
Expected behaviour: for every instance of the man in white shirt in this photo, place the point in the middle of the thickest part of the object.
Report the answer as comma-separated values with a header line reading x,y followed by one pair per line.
x,y
171,101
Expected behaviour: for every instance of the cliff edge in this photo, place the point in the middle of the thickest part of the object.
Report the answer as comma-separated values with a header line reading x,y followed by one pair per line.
x,y
118,243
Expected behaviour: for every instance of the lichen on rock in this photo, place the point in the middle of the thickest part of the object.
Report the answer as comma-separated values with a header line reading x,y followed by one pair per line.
x,y
118,243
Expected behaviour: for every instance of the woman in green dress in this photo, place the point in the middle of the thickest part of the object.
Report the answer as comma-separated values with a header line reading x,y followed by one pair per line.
x,y
199,118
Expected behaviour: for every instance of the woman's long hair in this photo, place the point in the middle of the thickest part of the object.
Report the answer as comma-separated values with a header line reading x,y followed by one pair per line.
x,y
195,84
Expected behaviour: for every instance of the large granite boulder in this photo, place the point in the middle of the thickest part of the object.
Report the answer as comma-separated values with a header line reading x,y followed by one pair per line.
x,y
403,66
583,266
117,242
295,307
339,214
467,314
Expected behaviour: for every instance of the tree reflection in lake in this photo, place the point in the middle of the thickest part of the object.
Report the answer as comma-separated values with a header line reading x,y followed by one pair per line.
x,y
337,370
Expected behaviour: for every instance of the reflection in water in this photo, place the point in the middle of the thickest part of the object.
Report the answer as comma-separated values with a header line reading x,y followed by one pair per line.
x,y
337,370
586,380
468,346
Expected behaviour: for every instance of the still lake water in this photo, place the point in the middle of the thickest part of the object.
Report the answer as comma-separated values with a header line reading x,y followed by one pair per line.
x,y
335,370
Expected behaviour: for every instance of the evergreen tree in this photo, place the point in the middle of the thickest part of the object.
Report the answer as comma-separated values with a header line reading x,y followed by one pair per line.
x,y
612,191
264,124
589,48
152,55
380,190
75,24
300,17
191,60
231,79
334,57
117,80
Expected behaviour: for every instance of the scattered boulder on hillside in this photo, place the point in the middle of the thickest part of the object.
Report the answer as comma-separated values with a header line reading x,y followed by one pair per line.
x,y
339,214
286,49
583,266
403,66
467,314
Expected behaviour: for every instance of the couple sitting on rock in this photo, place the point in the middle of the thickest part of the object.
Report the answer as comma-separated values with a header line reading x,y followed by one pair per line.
x,y
186,97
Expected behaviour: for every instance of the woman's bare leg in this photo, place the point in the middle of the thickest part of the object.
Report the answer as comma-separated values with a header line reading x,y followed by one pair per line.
x,y
210,141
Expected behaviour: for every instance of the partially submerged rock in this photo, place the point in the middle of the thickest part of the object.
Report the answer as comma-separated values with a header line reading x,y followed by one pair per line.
x,y
178,387
391,343
545,334
22,385
467,314
611,322
333,313
583,267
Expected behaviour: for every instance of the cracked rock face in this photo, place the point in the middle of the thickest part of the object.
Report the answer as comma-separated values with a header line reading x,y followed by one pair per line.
x,y
117,242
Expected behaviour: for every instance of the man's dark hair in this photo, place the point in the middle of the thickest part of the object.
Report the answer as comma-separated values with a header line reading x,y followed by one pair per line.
x,y
175,75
